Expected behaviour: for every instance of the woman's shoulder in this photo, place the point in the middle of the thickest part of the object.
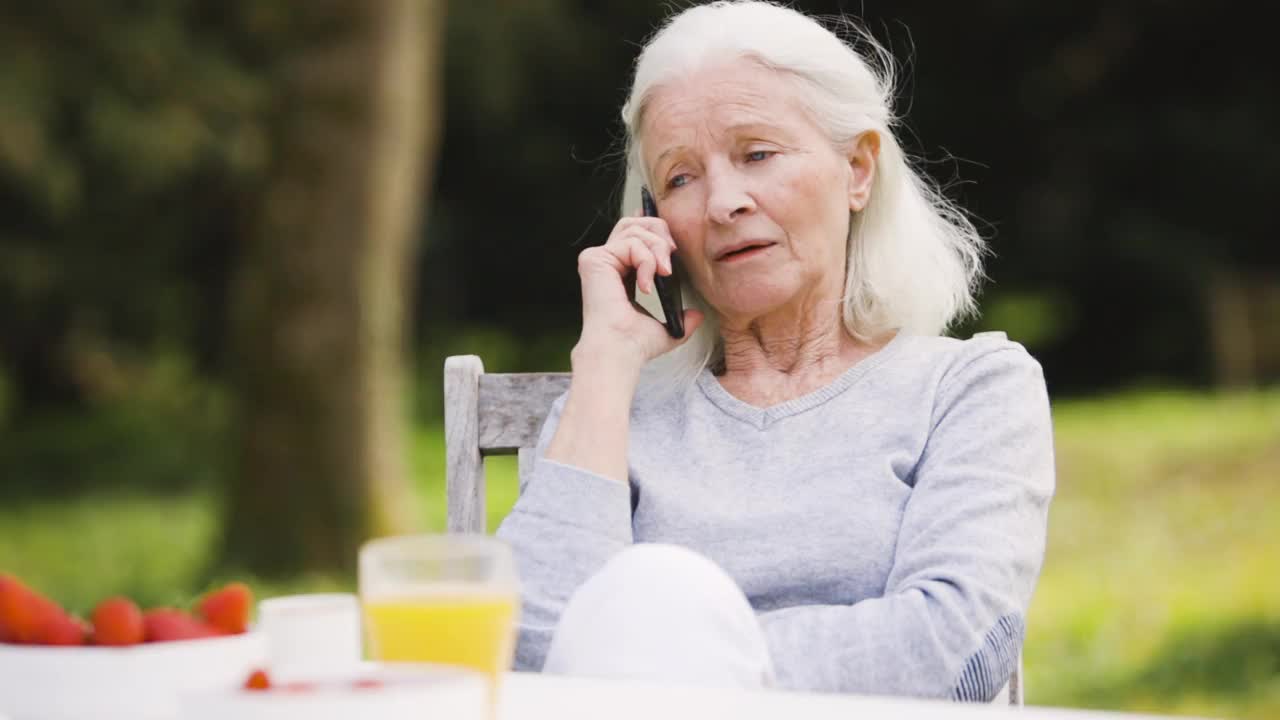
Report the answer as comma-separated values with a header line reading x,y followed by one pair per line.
x,y
985,353
944,347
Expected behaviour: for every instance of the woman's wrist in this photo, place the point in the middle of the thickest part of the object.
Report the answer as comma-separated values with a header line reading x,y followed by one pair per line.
x,y
595,423
594,359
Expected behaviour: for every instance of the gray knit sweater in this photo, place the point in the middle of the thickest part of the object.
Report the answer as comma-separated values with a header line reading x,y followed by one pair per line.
x,y
888,529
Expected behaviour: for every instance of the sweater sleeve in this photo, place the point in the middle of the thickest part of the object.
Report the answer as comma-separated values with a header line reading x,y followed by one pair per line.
x,y
565,524
951,620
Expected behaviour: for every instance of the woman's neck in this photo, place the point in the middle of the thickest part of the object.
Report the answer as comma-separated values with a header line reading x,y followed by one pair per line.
x,y
771,360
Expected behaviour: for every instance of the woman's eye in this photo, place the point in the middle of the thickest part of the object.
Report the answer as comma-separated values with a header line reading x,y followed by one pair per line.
x,y
677,181
758,155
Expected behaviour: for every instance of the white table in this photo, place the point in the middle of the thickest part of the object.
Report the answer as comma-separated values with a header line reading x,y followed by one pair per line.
x,y
526,696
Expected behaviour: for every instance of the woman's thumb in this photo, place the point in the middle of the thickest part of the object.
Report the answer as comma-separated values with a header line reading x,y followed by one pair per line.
x,y
692,320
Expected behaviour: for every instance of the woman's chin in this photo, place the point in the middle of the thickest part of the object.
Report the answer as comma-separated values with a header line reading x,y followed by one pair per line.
x,y
741,312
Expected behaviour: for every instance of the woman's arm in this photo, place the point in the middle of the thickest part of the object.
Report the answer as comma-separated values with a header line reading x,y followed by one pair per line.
x,y
969,551
596,420
567,522
574,512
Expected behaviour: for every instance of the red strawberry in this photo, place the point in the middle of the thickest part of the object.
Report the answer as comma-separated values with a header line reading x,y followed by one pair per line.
x,y
11,614
258,680
24,612
165,624
118,621
228,608
62,629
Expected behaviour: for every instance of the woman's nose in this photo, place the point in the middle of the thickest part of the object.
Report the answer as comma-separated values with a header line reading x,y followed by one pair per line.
x,y
728,198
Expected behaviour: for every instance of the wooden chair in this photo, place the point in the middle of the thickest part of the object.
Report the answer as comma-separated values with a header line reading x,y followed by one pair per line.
x,y
488,414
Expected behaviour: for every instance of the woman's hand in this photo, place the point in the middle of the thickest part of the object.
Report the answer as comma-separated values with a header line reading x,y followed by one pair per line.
x,y
618,338
612,324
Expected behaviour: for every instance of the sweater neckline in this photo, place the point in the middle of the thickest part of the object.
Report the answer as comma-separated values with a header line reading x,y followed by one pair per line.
x,y
762,417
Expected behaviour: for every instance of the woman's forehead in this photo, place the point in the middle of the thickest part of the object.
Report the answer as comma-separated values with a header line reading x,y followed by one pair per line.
x,y
717,100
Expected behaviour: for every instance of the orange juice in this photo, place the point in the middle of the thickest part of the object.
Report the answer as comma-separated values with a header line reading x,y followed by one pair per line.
x,y
474,630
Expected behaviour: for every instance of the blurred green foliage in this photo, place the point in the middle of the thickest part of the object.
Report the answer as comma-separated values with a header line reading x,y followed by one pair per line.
x,y
1159,591
131,134
1036,320
164,430
6,397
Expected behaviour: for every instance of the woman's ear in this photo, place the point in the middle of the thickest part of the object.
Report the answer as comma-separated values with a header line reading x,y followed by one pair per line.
x,y
862,169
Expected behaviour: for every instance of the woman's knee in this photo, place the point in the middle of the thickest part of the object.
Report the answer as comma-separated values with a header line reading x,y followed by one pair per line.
x,y
661,612
658,575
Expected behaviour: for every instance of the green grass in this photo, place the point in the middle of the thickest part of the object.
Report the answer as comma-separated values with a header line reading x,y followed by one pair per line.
x,y
1159,591
155,549
85,549
158,548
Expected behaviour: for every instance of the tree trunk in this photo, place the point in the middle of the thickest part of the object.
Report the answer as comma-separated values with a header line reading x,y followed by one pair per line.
x,y
319,322
1230,331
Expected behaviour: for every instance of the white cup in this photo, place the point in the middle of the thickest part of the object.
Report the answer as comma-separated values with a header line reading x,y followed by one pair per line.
x,y
311,635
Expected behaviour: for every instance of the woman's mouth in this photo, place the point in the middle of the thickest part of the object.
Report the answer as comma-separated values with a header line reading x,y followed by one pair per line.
x,y
744,251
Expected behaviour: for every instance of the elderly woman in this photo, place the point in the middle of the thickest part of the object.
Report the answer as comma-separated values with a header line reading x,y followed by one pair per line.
x,y
814,489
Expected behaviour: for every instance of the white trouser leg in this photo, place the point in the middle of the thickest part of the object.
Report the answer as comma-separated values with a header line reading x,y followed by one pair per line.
x,y
661,613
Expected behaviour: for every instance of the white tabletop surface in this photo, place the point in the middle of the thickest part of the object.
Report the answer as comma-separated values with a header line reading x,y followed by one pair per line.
x,y
526,696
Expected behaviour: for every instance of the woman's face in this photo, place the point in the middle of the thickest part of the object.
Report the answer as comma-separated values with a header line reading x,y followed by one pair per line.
x,y
735,162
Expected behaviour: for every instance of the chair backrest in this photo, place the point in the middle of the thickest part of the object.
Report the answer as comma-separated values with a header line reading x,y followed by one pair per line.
x,y
489,414
501,414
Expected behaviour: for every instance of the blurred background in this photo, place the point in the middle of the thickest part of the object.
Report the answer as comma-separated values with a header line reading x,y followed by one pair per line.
x,y
239,237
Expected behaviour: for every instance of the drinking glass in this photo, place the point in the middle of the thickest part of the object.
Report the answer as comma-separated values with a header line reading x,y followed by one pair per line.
x,y
450,599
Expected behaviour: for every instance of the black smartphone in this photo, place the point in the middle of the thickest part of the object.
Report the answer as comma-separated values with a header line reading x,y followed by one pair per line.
x,y
667,286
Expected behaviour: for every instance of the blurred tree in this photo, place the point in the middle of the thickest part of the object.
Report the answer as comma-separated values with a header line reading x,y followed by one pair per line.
x,y
127,130
321,291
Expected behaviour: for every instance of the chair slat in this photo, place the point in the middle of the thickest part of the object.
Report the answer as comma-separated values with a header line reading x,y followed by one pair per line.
x,y
512,407
464,469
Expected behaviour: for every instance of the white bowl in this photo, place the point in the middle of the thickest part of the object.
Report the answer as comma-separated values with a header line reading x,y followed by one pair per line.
x,y
141,682
405,692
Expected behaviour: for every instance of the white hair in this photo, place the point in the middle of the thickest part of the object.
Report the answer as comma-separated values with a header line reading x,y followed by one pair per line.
x,y
914,258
